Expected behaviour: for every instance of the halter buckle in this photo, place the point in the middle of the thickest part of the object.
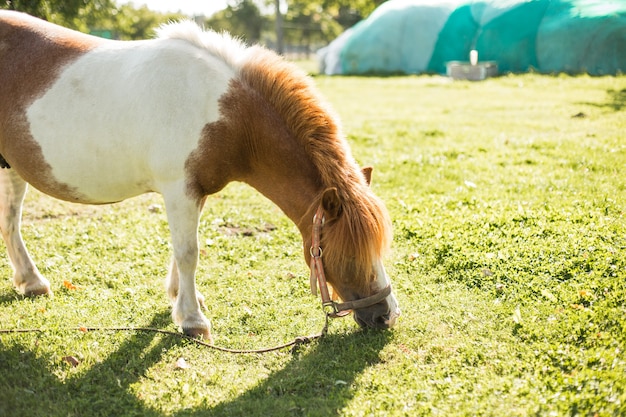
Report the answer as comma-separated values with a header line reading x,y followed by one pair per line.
x,y
319,252
323,219
331,309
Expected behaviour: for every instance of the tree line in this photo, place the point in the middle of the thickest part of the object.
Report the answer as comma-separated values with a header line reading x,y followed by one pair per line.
x,y
273,22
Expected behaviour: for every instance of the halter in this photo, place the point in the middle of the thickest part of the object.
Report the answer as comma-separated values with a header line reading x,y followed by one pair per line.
x,y
318,277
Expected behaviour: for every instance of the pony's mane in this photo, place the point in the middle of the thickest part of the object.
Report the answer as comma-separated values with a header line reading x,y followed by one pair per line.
x,y
364,228
231,50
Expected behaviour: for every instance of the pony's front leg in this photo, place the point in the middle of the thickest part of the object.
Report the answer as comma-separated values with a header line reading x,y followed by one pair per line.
x,y
183,214
27,278
171,285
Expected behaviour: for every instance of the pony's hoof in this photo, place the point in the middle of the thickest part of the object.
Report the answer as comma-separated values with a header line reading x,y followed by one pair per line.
x,y
199,333
35,292
36,289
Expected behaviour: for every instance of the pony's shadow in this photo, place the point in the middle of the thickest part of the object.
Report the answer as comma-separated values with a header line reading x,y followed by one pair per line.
x,y
11,295
10,298
29,388
318,381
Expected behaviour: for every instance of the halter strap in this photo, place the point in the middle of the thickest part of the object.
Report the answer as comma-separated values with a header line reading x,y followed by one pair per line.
x,y
318,277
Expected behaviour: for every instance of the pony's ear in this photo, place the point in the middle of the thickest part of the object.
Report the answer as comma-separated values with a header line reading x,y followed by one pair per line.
x,y
367,173
331,203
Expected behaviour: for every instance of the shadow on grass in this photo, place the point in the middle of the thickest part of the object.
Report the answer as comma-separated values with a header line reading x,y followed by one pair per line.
x,y
28,387
7,298
13,295
317,382
616,100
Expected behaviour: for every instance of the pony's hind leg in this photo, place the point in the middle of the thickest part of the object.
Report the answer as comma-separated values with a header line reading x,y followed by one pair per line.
x,y
27,278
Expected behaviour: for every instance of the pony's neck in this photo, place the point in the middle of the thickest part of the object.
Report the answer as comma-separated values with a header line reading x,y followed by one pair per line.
x,y
251,143
278,165
283,173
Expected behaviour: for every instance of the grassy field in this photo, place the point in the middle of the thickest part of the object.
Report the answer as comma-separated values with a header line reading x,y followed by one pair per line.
x,y
509,262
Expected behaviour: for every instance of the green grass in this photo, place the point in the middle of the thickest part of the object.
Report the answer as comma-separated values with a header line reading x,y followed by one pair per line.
x,y
507,198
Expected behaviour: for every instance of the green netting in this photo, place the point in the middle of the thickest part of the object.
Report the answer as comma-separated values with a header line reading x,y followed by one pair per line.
x,y
511,38
399,37
456,39
583,36
413,36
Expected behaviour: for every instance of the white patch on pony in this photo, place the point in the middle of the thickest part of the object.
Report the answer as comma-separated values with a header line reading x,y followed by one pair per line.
x,y
382,280
122,119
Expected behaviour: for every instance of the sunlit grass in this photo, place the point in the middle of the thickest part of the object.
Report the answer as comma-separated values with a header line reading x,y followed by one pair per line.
x,y
507,198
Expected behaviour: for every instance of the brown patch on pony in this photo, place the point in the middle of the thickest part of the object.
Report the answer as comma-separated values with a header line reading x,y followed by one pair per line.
x,y
250,143
32,54
361,233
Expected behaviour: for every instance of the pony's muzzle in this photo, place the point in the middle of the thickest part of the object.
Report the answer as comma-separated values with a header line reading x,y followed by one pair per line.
x,y
392,318
377,317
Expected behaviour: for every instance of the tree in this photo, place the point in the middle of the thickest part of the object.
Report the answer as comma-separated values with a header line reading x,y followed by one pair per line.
x,y
242,18
310,21
130,23
279,28
307,24
99,17
77,14
349,12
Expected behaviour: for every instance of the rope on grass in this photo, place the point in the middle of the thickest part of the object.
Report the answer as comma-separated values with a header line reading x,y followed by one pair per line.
x,y
298,341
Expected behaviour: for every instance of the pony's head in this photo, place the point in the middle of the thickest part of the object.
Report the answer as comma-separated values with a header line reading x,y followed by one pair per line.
x,y
353,237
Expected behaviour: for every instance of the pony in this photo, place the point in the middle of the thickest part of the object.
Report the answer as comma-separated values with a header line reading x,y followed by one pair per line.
x,y
97,121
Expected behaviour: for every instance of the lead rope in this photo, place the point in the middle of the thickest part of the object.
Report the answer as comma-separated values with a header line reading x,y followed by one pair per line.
x,y
294,344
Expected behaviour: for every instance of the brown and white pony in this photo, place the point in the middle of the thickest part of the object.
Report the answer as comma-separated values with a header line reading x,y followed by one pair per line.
x,y
95,121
